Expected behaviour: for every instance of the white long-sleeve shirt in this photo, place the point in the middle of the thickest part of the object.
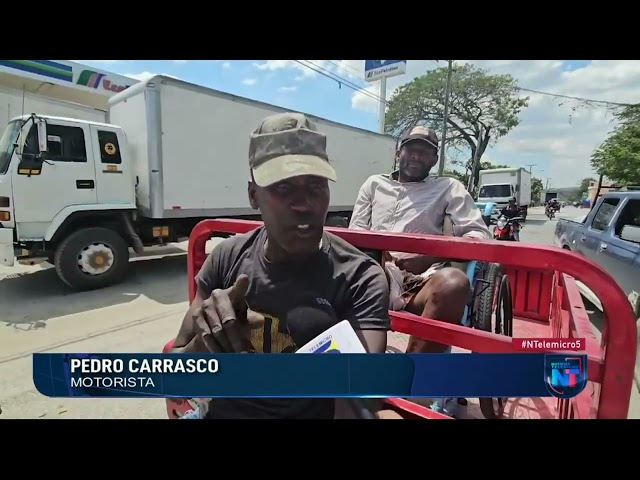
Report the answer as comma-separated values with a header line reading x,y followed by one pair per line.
x,y
386,205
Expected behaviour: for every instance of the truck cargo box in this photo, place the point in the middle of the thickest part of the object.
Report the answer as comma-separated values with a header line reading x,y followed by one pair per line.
x,y
190,147
499,184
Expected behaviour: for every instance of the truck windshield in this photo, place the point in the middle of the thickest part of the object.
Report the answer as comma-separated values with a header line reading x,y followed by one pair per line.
x,y
7,143
493,191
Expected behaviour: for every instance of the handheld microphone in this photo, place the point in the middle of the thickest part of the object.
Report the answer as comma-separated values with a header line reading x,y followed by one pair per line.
x,y
314,328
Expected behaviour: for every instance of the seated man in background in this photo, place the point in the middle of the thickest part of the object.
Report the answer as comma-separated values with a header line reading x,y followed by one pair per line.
x,y
410,200
257,279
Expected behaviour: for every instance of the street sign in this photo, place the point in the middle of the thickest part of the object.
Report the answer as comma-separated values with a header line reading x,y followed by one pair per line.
x,y
377,69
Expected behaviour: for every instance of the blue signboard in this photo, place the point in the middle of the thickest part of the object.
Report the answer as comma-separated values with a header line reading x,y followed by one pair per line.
x,y
377,69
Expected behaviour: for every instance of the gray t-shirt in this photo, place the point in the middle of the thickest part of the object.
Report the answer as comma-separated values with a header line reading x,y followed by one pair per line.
x,y
339,275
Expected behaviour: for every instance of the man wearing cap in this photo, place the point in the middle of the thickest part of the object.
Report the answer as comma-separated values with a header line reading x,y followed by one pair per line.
x,y
409,200
250,283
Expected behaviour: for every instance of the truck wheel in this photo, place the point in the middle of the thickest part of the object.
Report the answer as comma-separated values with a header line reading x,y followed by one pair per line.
x,y
92,258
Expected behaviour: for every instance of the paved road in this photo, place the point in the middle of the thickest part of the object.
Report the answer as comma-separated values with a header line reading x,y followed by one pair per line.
x,y
40,315
539,229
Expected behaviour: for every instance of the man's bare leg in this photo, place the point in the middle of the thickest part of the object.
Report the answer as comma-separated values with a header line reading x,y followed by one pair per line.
x,y
443,298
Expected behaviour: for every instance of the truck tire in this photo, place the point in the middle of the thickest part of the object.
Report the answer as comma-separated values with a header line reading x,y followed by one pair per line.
x,y
92,258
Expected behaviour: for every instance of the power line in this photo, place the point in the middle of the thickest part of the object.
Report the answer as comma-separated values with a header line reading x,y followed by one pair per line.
x,y
337,78
570,97
344,67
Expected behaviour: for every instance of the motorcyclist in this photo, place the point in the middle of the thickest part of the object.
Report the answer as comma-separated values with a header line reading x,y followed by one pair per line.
x,y
512,210
553,205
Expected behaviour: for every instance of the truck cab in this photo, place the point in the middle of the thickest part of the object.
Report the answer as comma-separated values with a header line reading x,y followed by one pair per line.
x,y
499,193
53,172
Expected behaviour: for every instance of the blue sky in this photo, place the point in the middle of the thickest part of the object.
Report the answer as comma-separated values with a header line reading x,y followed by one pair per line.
x,y
557,143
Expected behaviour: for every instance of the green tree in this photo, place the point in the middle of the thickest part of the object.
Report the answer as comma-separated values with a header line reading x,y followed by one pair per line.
x,y
584,184
481,106
536,189
618,158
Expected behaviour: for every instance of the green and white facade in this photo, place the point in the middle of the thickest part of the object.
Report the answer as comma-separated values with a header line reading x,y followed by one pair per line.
x,y
40,82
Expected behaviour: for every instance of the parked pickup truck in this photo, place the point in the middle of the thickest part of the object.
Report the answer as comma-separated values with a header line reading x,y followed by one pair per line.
x,y
610,236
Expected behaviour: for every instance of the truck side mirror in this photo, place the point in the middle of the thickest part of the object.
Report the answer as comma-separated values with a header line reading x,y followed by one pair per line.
x,y
42,136
41,128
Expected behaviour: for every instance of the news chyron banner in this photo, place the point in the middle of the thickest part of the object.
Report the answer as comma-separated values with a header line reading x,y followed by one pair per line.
x,y
281,375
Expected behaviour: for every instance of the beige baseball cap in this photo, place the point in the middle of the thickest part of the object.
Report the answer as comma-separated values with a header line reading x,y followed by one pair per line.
x,y
286,145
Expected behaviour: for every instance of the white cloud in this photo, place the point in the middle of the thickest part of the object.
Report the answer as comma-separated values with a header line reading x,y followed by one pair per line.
x,y
179,62
226,65
310,71
250,81
287,89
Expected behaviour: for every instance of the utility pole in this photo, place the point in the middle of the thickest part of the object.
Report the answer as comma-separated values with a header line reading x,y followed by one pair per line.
x,y
383,104
474,163
547,185
531,165
445,116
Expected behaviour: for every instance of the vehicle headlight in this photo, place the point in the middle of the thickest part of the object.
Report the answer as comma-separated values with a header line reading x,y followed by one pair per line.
x,y
501,223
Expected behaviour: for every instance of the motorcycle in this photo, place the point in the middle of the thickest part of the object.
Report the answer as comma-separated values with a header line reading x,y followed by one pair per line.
x,y
507,229
550,212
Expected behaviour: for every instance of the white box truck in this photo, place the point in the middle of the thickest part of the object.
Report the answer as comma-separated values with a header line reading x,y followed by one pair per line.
x,y
498,185
80,193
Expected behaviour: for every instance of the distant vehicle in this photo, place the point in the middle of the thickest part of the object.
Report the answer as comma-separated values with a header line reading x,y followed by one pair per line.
x,y
499,185
610,236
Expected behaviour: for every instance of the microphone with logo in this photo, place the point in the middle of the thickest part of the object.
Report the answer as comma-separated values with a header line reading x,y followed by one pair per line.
x,y
314,325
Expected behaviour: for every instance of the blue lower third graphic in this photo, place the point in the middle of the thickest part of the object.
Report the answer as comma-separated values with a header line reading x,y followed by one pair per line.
x,y
489,375
565,375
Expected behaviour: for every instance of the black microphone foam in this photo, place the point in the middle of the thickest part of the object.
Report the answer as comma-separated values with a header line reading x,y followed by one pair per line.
x,y
309,319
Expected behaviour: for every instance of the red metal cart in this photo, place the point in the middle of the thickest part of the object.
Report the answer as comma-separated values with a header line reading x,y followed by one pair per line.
x,y
546,303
